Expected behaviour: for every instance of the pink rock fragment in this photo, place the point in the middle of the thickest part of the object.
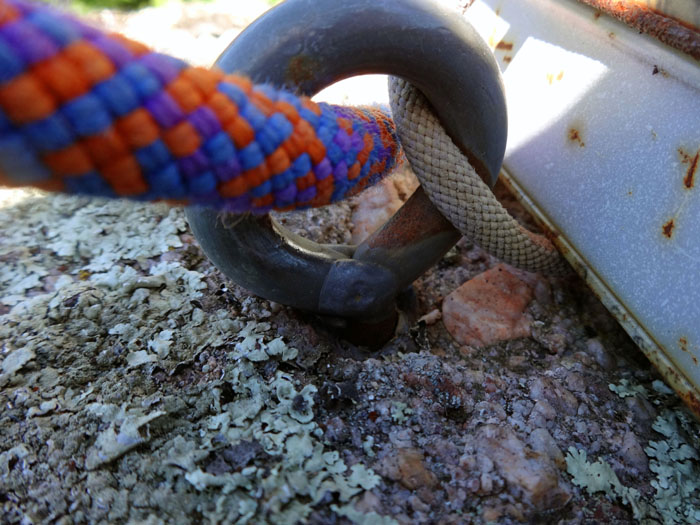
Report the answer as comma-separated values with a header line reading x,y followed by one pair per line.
x,y
490,307
407,466
535,474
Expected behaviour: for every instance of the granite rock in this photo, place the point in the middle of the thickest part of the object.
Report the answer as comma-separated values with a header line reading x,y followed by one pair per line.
x,y
489,308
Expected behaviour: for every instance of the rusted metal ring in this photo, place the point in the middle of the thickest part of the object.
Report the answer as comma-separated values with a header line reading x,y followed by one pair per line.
x,y
306,45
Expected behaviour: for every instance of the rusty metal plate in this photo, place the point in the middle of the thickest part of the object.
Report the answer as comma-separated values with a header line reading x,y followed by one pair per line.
x,y
604,149
676,23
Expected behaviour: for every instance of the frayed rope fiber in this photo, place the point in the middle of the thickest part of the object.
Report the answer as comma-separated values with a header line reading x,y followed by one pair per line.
x,y
86,112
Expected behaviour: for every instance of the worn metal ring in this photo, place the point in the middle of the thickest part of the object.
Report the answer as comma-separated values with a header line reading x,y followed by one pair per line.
x,y
307,45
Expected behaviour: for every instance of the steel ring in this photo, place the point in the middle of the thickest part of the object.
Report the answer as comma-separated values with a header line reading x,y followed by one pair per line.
x,y
307,45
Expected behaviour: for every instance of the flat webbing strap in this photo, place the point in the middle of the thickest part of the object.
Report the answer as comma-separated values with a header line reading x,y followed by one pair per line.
x,y
86,112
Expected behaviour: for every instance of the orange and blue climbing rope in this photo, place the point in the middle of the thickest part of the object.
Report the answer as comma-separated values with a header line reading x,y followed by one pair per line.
x,y
86,112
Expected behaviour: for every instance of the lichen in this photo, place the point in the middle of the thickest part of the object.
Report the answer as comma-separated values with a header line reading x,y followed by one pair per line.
x,y
370,518
674,460
16,360
81,349
627,389
68,229
676,464
277,416
125,432
600,477
400,412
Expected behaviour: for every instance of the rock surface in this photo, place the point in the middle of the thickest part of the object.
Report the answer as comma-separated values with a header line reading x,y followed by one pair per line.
x,y
380,202
489,308
407,467
139,385
524,469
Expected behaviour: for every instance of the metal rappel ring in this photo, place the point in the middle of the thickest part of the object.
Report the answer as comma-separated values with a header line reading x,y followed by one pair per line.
x,y
307,45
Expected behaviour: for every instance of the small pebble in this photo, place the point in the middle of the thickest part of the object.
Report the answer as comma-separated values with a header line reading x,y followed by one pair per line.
x,y
596,349
431,317
489,308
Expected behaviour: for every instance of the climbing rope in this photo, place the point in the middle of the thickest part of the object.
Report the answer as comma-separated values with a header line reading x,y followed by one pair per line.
x,y
91,113
455,188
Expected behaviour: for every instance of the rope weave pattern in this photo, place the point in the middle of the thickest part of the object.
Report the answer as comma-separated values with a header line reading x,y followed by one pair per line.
x,y
455,188
90,113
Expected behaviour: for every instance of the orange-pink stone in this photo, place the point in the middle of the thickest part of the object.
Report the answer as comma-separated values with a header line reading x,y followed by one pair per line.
x,y
489,308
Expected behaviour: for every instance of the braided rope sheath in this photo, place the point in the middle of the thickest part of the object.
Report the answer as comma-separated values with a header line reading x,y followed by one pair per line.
x,y
455,188
90,113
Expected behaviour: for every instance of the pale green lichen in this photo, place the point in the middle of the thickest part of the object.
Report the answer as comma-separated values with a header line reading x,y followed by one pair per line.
x,y
96,232
600,477
13,454
661,388
125,308
675,461
16,360
627,389
253,348
370,518
400,412
677,467
368,446
127,430
280,418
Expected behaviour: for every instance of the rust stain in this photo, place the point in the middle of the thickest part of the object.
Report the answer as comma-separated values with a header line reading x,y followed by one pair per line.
x,y
688,396
692,162
504,46
467,4
611,34
692,401
683,344
596,15
637,14
301,69
551,78
689,180
672,376
574,135
667,228
551,235
507,59
408,228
